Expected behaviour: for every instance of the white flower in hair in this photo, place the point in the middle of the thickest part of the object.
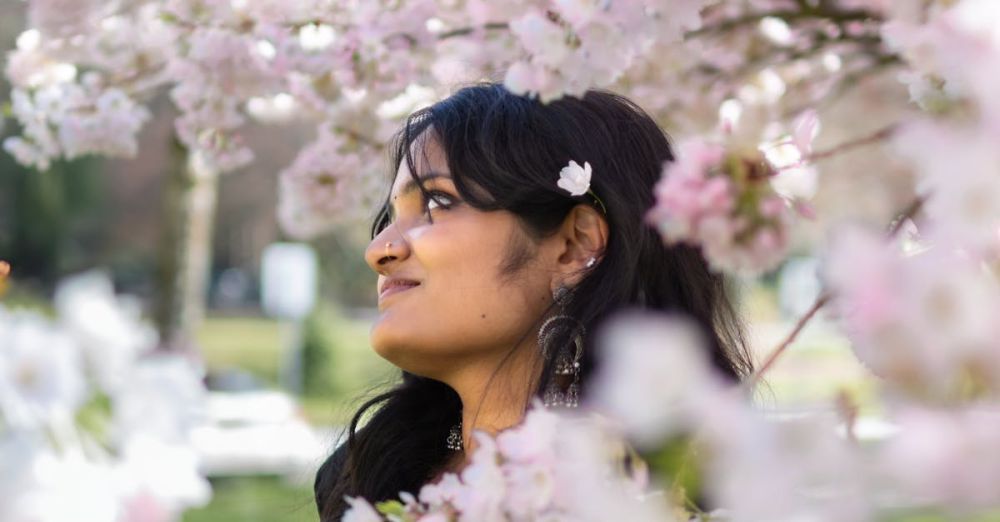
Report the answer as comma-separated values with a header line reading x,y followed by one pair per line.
x,y
575,179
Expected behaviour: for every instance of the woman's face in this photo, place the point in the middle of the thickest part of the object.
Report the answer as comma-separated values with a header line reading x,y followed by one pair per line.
x,y
464,308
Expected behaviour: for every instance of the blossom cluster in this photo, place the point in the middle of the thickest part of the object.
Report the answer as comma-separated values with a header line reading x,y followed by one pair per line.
x,y
575,45
538,470
925,320
132,459
952,145
922,314
724,203
74,120
657,390
229,63
323,185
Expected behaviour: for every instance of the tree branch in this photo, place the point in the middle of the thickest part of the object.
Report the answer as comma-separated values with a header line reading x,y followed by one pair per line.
x,y
911,210
788,15
462,31
820,302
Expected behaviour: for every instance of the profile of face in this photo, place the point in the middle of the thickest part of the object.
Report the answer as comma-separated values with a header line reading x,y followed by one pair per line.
x,y
466,307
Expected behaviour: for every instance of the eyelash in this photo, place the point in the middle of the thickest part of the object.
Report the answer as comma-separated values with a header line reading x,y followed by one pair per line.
x,y
390,218
437,194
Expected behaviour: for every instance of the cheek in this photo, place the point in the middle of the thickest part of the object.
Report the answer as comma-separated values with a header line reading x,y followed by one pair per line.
x,y
462,304
462,266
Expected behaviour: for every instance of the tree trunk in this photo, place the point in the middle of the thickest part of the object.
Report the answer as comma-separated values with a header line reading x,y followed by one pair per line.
x,y
185,251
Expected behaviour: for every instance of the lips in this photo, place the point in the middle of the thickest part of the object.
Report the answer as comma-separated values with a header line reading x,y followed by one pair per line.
x,y
394,286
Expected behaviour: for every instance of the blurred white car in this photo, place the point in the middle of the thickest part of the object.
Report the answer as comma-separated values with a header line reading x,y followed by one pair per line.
x,y
252,430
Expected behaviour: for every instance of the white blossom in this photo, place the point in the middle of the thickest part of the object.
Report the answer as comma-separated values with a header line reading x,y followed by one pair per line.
x,y
110,333
162,397
41,372
653,376
575,179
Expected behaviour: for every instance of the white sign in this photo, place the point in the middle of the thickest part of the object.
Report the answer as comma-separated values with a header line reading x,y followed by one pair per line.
x,y
288,280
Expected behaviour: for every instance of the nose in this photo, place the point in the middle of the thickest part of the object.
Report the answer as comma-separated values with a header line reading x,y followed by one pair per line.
x,y
388,247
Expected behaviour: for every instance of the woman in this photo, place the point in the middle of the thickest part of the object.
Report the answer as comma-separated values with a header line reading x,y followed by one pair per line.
x,y
492,277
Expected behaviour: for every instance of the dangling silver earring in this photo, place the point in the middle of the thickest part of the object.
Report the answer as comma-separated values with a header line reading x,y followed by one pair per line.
x,y
455,437
563,389
567,370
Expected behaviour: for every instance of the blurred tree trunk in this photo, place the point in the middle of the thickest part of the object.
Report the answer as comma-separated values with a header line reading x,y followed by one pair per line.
x,y
185,251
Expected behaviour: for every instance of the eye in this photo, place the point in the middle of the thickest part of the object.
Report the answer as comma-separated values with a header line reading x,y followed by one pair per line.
x,y
438,199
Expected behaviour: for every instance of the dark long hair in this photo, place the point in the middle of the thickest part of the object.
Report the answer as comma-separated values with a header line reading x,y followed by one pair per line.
x,y
513,147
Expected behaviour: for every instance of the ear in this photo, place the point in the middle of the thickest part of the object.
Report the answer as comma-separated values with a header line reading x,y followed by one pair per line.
x,y
582,236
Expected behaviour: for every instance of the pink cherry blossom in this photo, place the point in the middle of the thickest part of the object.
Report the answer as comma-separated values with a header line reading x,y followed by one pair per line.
x,y
695,204
485,484
945,457
653,375
544,39
360,511
959,174
550,467
444,491
806,128
925,322
754,454
66,17
323,184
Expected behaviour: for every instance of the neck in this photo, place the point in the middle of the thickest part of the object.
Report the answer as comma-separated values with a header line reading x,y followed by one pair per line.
x,y
495,394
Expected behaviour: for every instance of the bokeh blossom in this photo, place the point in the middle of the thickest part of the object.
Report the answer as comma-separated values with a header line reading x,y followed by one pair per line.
x,y
107,327
41,371
638,351
550,467
958,170
945,457
925,321
722,202
321,185
136,462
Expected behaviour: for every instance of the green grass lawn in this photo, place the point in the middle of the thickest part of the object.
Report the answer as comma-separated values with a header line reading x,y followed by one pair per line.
x,y
256,344
256,499
249,343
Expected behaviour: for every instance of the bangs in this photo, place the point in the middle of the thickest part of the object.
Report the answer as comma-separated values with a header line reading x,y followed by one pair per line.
x,y
402,150
469,152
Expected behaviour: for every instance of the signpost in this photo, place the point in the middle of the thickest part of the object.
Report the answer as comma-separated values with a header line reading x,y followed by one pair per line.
x,y
289,281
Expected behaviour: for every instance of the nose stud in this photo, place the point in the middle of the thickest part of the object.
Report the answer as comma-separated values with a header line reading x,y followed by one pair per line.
x,y
387,246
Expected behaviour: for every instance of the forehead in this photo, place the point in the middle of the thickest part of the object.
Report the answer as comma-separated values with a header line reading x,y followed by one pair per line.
x,y
428,157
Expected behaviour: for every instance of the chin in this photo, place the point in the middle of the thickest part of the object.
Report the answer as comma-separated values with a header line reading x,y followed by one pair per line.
x,y
397,347
383,340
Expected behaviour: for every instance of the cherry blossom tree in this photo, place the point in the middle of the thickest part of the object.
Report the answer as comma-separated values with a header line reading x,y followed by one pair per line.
x,y
751,89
